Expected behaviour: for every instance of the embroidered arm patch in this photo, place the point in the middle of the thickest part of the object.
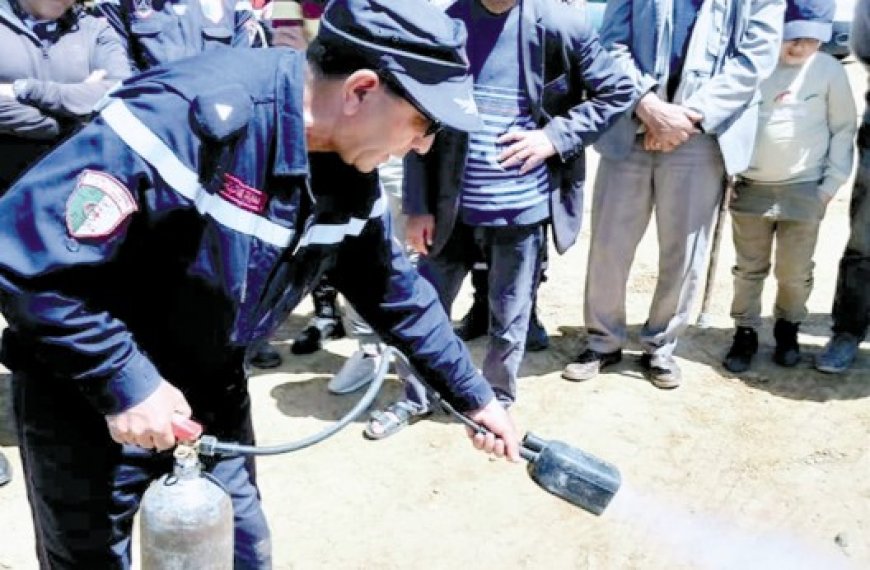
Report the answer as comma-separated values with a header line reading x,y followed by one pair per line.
x,y
97,206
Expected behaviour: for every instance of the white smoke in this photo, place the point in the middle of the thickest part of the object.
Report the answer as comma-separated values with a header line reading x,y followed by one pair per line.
x,y
708,542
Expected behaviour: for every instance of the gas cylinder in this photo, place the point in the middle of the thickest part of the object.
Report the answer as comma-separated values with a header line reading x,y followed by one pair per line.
x,y
186,519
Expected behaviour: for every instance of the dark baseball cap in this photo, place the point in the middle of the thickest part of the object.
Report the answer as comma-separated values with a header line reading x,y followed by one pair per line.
x,y
416,45
811,19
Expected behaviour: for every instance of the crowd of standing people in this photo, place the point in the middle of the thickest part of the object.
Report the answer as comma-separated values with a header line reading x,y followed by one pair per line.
x,y
280,188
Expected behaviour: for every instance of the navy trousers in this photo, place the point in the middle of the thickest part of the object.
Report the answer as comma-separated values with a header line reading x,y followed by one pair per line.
x,y
513,255
84,488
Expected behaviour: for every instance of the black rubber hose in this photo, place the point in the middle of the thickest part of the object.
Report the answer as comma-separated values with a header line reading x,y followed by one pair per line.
x,y
209,445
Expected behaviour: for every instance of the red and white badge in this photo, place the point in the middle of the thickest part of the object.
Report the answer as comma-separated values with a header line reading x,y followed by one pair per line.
x,y
97,206
245,197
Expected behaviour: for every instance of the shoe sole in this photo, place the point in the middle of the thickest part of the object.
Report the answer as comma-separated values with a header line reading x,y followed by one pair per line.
x,y
584,377
580,377
665,384
831,369
267,365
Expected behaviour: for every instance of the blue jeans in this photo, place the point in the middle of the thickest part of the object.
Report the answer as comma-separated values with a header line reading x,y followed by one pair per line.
x,y
851,311
84,489
513,254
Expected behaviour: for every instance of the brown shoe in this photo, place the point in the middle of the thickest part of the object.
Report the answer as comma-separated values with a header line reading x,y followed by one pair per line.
x,y
589,363
662,371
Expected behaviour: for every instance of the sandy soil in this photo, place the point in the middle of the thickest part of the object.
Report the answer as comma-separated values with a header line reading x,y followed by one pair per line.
x,y
765,470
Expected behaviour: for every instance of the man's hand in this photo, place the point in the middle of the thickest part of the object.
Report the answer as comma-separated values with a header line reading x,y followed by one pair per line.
x,y
148,424
670,124
529,148
420,232
502,439
651,143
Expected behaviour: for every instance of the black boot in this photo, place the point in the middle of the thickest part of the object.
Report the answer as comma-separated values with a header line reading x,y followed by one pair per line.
x,y
475,323
788,352
326,323
742,350
266,356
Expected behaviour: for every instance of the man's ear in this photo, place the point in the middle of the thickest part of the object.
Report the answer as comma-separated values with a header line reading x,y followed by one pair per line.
x,y
357,87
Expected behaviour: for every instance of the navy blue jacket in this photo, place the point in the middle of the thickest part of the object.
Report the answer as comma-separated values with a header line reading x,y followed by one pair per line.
x,y
219,236
159,31
575,91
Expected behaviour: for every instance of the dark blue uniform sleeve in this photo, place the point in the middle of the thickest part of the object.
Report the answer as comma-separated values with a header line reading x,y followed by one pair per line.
x,y
45,268
403,308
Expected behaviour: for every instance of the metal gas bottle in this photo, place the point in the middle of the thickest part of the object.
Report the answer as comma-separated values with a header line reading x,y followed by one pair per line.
x,y
186,520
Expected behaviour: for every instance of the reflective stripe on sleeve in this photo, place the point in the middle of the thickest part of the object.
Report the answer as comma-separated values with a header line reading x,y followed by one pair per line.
x,y
327,234
185,181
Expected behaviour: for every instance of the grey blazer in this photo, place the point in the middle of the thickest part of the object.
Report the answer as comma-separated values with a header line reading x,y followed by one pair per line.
x,y
733,47
576,91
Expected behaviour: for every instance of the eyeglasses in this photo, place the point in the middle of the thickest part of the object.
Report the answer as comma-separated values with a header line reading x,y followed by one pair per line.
x,y
435,126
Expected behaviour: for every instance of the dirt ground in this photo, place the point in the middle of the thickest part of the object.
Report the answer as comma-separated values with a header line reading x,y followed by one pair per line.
x,y
764,470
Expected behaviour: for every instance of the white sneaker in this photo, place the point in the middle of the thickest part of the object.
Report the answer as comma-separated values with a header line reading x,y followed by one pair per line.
x,y
358,371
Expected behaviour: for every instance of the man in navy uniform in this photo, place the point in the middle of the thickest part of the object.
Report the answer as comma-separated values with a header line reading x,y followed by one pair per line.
x,y
145,255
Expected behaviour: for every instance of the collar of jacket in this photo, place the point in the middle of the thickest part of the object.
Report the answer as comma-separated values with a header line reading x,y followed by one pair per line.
x,y
291,150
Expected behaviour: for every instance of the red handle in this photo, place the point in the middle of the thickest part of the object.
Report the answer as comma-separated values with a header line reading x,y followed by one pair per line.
x,y
185,429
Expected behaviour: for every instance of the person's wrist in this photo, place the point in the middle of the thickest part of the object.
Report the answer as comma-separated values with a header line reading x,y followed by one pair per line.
x,y
645,106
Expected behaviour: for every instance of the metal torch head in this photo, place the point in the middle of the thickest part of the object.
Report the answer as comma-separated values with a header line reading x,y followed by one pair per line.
x,y
571,474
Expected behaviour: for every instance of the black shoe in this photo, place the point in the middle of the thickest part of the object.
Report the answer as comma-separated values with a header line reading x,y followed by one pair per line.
x,y
744,347
266,357
311,338
475,323
662,370
5,470
589,363
537,338
788,352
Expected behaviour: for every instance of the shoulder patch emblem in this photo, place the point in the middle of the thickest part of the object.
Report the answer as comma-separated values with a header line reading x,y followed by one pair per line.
x,y
97,206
